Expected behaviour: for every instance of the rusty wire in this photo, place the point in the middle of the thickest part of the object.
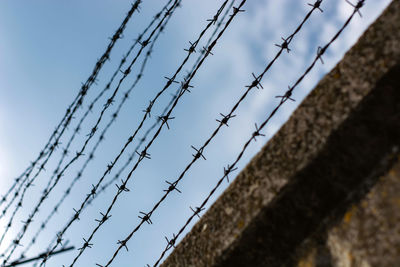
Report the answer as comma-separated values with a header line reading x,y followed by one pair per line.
x,y
286,96
50,147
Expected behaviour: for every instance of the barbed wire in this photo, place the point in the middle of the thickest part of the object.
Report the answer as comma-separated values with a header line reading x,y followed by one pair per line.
x,y
147,114
90,81
72,108
107,87
131,157
91,134
170,81
147,111
284,98
157,122
142,155
222,122
11,189
109,124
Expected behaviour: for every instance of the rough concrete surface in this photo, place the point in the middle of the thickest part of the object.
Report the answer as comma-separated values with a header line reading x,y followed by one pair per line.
x,y
290,205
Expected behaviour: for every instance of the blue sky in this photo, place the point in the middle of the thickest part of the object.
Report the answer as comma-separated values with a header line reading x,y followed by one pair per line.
x,y
47,48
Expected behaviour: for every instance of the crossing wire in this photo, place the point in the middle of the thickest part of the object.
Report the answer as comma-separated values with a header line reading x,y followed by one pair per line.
x,y
223,122
284,99
130,139
131,157
157,122
72,108
142,155
114,116
52,148
91,134
107,87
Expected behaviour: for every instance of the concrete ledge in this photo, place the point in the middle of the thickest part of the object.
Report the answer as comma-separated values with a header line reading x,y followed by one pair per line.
x,y
328,156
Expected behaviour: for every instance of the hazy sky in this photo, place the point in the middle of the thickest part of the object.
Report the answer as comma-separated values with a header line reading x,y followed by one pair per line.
x,y
47,48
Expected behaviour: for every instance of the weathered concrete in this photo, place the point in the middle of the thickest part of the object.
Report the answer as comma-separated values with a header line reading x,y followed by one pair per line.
x,y
286,207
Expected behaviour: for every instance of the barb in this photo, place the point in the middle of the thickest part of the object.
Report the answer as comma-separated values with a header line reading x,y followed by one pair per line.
x,y
11,189
107,87
160,27
199,154
103,188
262,125
144,153
76,103
199,151
105,130
91,134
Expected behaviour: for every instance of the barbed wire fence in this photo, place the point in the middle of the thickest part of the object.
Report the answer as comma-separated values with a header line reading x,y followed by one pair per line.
x,y
114,116
257,133
93,131
50,147
141,152
131,157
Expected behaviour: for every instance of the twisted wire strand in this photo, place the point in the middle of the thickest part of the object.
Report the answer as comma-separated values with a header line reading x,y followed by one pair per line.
x,y
91,134
145,217
107,87
130,139
256,133
223,122
72,108
112,181
57,142
101,138
147,111
109,167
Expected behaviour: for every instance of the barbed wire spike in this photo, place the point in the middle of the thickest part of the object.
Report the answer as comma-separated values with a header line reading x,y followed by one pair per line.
x,y
199,153
236,10
185,86
228,170
320,52
285,44
256,82
192,48
257,133
206,50
171,243
142,155
357,6
165,118
104,218
225,119
85,245
172,187
122,187
170,81
197,210
148,109
287,95
145,217
123,243
316,5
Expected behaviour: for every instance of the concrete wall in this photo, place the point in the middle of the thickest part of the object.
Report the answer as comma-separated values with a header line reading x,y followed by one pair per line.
x,y
324,191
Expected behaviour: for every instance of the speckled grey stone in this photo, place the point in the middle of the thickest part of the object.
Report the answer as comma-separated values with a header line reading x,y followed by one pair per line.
x,y
325,159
